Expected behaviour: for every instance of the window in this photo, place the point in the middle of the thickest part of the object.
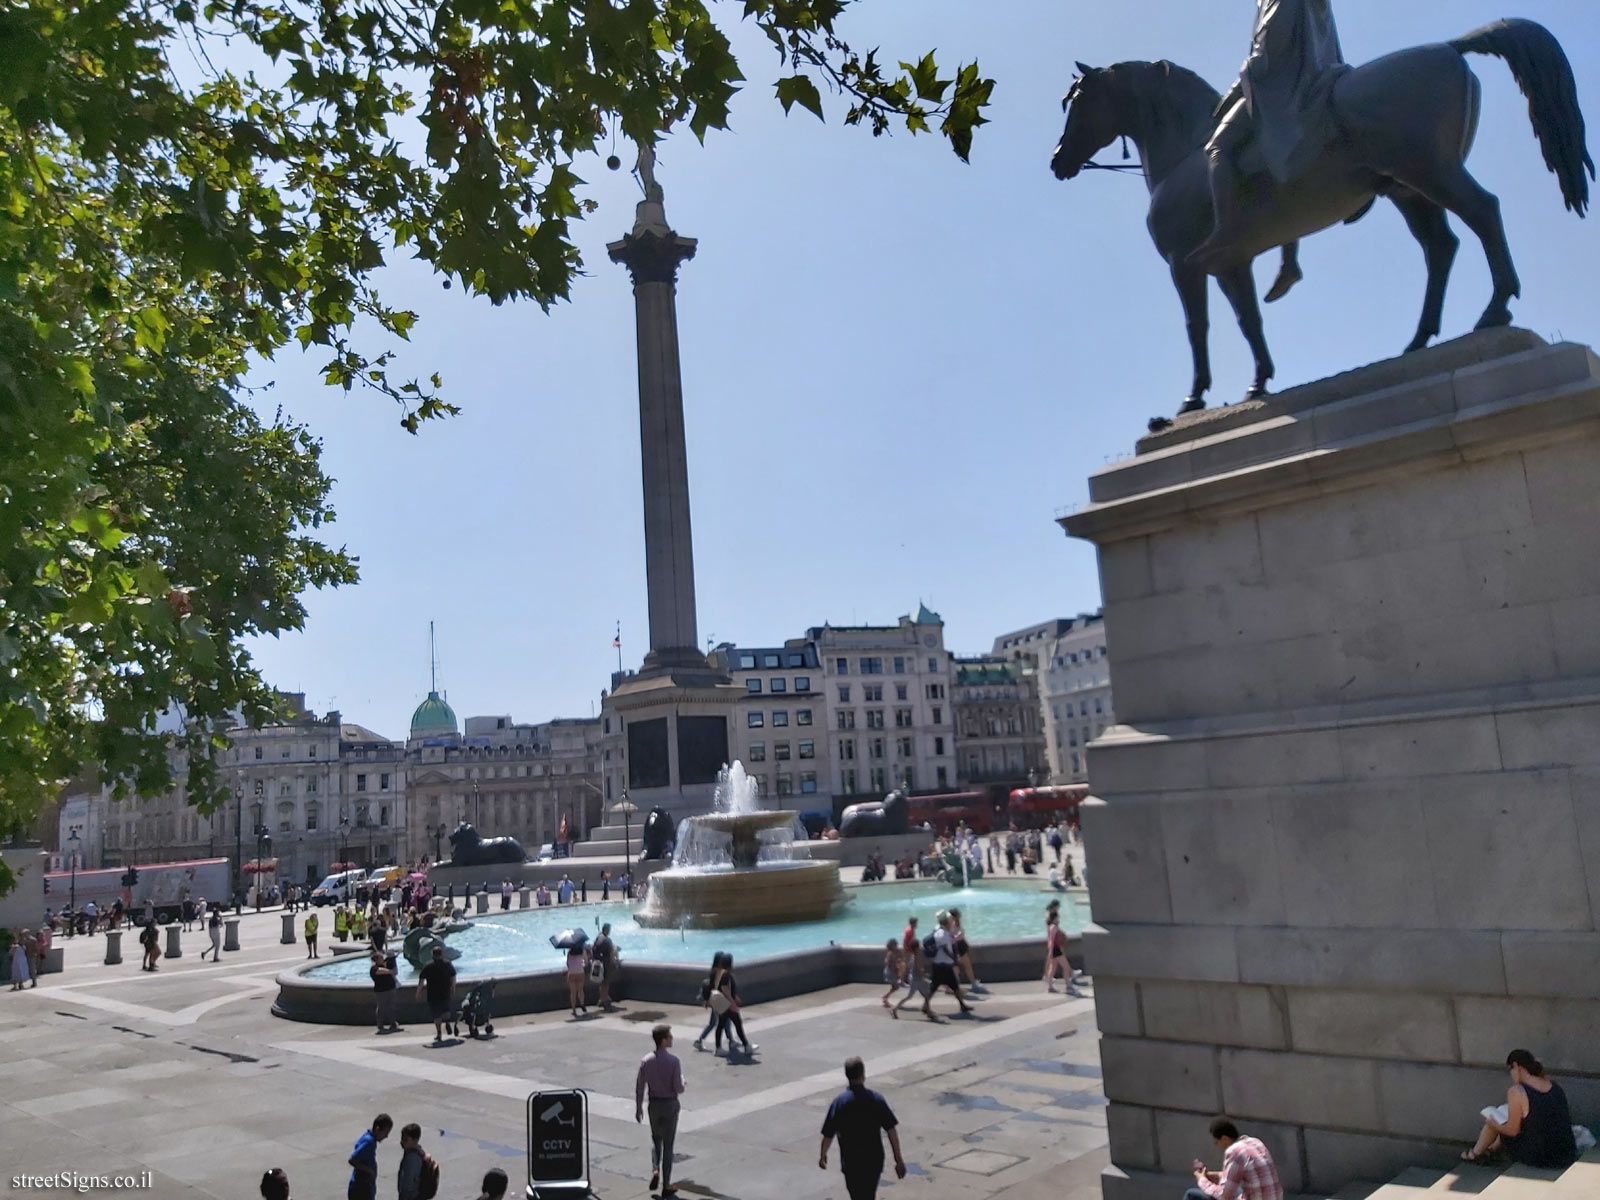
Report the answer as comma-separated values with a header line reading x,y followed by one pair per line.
x,y
841,666
794,659
802,716
312,814
935,691
769,660
1097,707
938,715
285,788
906,746
808,783
847,718
383,814
383,783
902,718
943,776
974,765
874,718
361,783
844,693
877,778
780,751
608,725
847,749
933,666
802,683
258,751
311,750
1072,737
747,662
872,693
938,746
778,684
807,748
780,718
847,781
1083,708
899,665
900,691
754,720
1074,764
753,686
311,786
909,777
758,752
285,753
261,787
875,747
1101,651
785,784
872,666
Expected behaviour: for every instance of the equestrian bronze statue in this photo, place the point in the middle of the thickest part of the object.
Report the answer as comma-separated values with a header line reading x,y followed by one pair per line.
x,y
1399,127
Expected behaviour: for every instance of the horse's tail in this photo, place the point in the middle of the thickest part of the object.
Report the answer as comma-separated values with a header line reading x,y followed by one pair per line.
x,y
1542,71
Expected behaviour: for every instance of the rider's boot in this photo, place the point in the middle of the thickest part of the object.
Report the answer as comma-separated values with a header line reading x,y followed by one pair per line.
x,y
1289,273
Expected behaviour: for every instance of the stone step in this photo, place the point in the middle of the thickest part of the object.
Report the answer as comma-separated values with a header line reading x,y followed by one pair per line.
x,y
1523,1183
1357,1189
1410,1184
1467,1178
1582,1178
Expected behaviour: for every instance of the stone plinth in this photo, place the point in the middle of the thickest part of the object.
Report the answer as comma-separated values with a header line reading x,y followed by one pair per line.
x,y
174,946
1347,835
230,933
113,947
286,938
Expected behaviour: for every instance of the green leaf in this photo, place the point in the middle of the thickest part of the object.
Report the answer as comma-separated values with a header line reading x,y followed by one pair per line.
x,y
798,89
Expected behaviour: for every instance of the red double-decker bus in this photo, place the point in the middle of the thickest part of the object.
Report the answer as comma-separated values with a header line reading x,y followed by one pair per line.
x,y
945,810
1030,808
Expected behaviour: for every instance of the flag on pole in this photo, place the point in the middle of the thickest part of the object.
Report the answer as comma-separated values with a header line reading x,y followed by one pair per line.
x,y
616,642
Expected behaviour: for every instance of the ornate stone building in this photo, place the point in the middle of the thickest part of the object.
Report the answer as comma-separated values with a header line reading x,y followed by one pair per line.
x,y
1074,675
1000,741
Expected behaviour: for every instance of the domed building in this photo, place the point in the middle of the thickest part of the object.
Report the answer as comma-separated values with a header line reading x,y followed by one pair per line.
x,y
434,718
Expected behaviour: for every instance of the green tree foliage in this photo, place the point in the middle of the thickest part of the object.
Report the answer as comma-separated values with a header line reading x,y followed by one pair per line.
x,y
186,189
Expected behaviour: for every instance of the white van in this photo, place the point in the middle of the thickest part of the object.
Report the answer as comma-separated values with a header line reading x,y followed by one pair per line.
x,y
339,886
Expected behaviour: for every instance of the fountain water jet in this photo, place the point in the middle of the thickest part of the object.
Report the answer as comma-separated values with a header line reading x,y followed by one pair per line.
x,y
738,866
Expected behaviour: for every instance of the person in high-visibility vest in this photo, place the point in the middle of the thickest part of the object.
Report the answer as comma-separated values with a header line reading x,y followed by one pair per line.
x,y
341,921
311,936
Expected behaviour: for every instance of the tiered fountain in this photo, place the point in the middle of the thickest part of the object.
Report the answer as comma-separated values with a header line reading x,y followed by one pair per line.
x,y
739,865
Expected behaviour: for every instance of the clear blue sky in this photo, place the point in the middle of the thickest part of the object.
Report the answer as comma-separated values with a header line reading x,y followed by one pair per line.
x,y
897,367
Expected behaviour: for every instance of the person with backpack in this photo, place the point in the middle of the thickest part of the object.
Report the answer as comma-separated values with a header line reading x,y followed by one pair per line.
x,y
419,1173
940,947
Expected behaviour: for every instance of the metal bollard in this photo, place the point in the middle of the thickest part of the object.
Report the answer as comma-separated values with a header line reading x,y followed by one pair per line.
x,y
522,897
174,950
230,934
287,937
113,947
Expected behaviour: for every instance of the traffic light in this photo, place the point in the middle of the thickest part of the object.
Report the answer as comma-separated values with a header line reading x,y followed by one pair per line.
x,y
130,877
47,885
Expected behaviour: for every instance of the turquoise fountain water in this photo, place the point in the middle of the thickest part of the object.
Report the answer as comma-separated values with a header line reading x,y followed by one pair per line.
x,y
504,943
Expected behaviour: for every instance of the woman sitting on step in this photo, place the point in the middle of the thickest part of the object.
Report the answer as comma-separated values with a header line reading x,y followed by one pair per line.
x,y
1534,1126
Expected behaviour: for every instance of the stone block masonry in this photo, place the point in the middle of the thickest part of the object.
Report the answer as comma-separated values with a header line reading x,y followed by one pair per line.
x,y
1347,831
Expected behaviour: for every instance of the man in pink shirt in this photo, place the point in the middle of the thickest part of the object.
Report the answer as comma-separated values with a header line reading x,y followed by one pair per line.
x,y
660,1082
1248,1172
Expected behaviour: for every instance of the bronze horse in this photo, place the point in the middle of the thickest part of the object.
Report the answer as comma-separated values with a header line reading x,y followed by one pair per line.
x,y
1406,121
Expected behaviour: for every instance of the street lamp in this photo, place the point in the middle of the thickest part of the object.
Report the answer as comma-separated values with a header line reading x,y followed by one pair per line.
x,y
238,847
344,850
263,844
477,808
437,832
72,902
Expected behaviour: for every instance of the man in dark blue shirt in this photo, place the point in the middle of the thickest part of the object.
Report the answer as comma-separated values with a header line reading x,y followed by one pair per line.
x,y
364,1160
859,1117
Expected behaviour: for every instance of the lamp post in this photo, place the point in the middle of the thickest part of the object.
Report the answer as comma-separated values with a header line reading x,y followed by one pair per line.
x,y
344,851
437,832
72,902
477,808
263,844
238,847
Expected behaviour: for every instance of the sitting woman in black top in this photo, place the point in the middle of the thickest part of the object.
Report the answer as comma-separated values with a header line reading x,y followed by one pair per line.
x,y
1535,1125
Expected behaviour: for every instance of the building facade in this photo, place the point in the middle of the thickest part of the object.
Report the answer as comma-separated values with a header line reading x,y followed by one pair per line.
x,y
1074,684
779,730
889,716
1000,741
506,779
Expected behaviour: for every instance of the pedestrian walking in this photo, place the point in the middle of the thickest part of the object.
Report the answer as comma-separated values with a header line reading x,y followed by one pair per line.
x,y
859,1117
604,965
363,1160
214,928
705,1000
940,947
384,983
964,951
660,1083
41,950
894,973
310,928
915,968
1248,1172
149,940
19,962
505,894
495,1184
729,1019
438,980
1055,843
1055,951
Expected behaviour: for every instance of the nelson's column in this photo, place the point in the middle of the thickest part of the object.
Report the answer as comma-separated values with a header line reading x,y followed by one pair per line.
x,y
674,711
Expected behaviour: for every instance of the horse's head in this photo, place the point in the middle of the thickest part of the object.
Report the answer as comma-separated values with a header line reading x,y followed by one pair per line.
x,y
1091,110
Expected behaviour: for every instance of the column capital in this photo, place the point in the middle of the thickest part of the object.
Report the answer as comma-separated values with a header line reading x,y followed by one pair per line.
x,y
651,254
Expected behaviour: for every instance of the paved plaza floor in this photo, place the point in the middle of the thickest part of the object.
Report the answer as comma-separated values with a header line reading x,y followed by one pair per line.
x,y
185,1073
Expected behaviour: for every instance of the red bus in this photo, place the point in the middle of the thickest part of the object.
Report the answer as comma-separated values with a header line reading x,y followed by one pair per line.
x,y
1030,808
945,810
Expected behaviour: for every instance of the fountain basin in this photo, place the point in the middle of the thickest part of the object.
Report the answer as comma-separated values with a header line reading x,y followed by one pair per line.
x,y
776,893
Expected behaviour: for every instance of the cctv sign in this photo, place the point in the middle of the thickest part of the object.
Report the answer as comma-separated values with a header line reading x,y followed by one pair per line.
x,y
558,1140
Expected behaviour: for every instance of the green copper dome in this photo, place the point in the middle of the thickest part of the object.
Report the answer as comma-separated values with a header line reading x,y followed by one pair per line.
x,y
433,717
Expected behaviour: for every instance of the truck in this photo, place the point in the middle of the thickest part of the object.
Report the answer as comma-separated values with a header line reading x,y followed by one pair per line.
x,y
166,884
